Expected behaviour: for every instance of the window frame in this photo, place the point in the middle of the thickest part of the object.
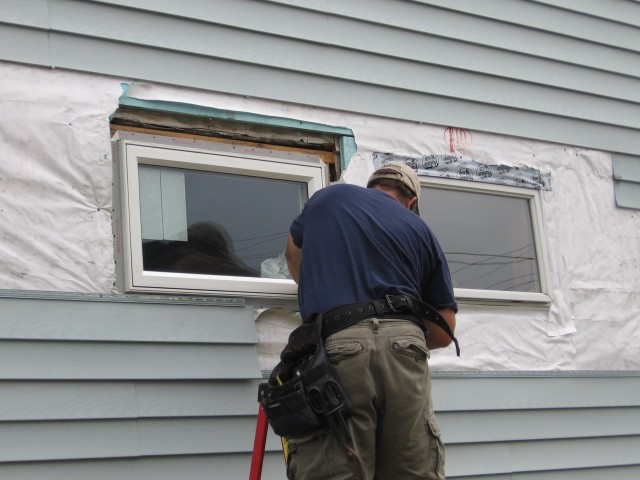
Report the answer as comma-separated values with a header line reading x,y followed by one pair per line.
x,y
533,197
132,153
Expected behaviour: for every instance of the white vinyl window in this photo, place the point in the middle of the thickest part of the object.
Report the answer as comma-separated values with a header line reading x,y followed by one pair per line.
x,y
207,221
492,236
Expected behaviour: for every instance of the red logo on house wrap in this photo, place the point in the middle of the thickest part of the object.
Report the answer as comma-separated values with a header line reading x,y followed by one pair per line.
x,y
457,138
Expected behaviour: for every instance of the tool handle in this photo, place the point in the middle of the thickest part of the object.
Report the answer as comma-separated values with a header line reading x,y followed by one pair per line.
x,y
262,426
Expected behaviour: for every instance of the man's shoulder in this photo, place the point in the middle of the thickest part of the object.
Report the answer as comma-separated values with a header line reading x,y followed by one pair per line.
x,y
343,187
338,189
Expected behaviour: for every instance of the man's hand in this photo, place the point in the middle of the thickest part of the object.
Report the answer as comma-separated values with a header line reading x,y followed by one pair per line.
x,y
293,255
437,337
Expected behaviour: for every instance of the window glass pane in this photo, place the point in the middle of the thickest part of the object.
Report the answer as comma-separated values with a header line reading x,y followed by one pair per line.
x,y
488,239
233,223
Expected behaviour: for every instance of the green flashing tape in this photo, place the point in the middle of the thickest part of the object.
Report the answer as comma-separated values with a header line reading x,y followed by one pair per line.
x,y
201,111
346,138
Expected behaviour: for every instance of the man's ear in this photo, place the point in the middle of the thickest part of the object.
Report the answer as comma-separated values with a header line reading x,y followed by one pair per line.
x,y
409,203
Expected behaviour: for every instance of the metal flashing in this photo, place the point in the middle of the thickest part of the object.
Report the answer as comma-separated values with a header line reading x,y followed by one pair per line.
x,y
202,111
346,140
126,298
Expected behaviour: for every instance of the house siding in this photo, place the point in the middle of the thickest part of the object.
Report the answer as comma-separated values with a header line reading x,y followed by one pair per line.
x,y
118,378
626,172
137,387
566,72
552,71
90,388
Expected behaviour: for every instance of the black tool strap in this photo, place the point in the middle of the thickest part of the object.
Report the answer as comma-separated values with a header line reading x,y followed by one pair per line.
x,y
398,306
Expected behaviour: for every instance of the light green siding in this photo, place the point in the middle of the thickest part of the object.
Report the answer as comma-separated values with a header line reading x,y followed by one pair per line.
x,y
540,426
556,71
121,378
99,386
132,387
626,172
553,70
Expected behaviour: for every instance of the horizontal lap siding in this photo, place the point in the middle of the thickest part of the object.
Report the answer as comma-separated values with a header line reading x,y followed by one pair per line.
x,y
51,440
540,427
626,174
90,399
517,392
534,69
173,389
76,320
199,467
106,390
112,382
47,360
535,427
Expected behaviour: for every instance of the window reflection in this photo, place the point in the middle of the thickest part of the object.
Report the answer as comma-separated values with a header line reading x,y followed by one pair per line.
x,y
488,239
208,250
236,225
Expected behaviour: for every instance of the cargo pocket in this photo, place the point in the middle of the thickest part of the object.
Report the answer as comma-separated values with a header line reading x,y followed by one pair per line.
x,y
341,349
410,346
435,449
314,456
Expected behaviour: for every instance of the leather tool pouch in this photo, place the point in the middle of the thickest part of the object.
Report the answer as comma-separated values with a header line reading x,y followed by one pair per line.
x,y
304,387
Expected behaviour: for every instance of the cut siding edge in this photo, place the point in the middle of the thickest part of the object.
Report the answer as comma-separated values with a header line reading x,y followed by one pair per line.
x,y
626,167
627,194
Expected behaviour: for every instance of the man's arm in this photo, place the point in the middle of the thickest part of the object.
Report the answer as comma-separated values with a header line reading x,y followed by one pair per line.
x,y
438,338
293,255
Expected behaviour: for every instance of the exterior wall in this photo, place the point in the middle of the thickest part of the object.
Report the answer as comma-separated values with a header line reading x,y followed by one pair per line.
x,y
57,150
104,387
120,387
552,70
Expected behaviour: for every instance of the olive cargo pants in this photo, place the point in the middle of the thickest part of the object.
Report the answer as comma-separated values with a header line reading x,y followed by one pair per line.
x,y
383,366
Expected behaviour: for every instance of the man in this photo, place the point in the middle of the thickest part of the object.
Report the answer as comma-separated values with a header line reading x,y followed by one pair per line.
x,y
351,247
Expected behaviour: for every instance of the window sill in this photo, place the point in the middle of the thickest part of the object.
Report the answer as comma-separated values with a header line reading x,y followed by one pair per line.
x,y
464,295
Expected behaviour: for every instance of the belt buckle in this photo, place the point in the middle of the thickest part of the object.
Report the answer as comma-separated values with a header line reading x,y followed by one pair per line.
x,y
390,303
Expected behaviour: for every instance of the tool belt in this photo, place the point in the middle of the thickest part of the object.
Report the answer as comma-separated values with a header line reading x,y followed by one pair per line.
x,y
395,306
304,392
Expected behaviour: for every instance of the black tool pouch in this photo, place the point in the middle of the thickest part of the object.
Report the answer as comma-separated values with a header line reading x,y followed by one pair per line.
x,y
304,387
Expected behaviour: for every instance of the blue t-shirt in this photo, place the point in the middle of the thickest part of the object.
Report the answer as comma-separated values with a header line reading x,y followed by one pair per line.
x,y
361,244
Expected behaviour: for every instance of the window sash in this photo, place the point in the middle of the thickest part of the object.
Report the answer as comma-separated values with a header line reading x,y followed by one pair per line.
x,y
533,200
133,154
